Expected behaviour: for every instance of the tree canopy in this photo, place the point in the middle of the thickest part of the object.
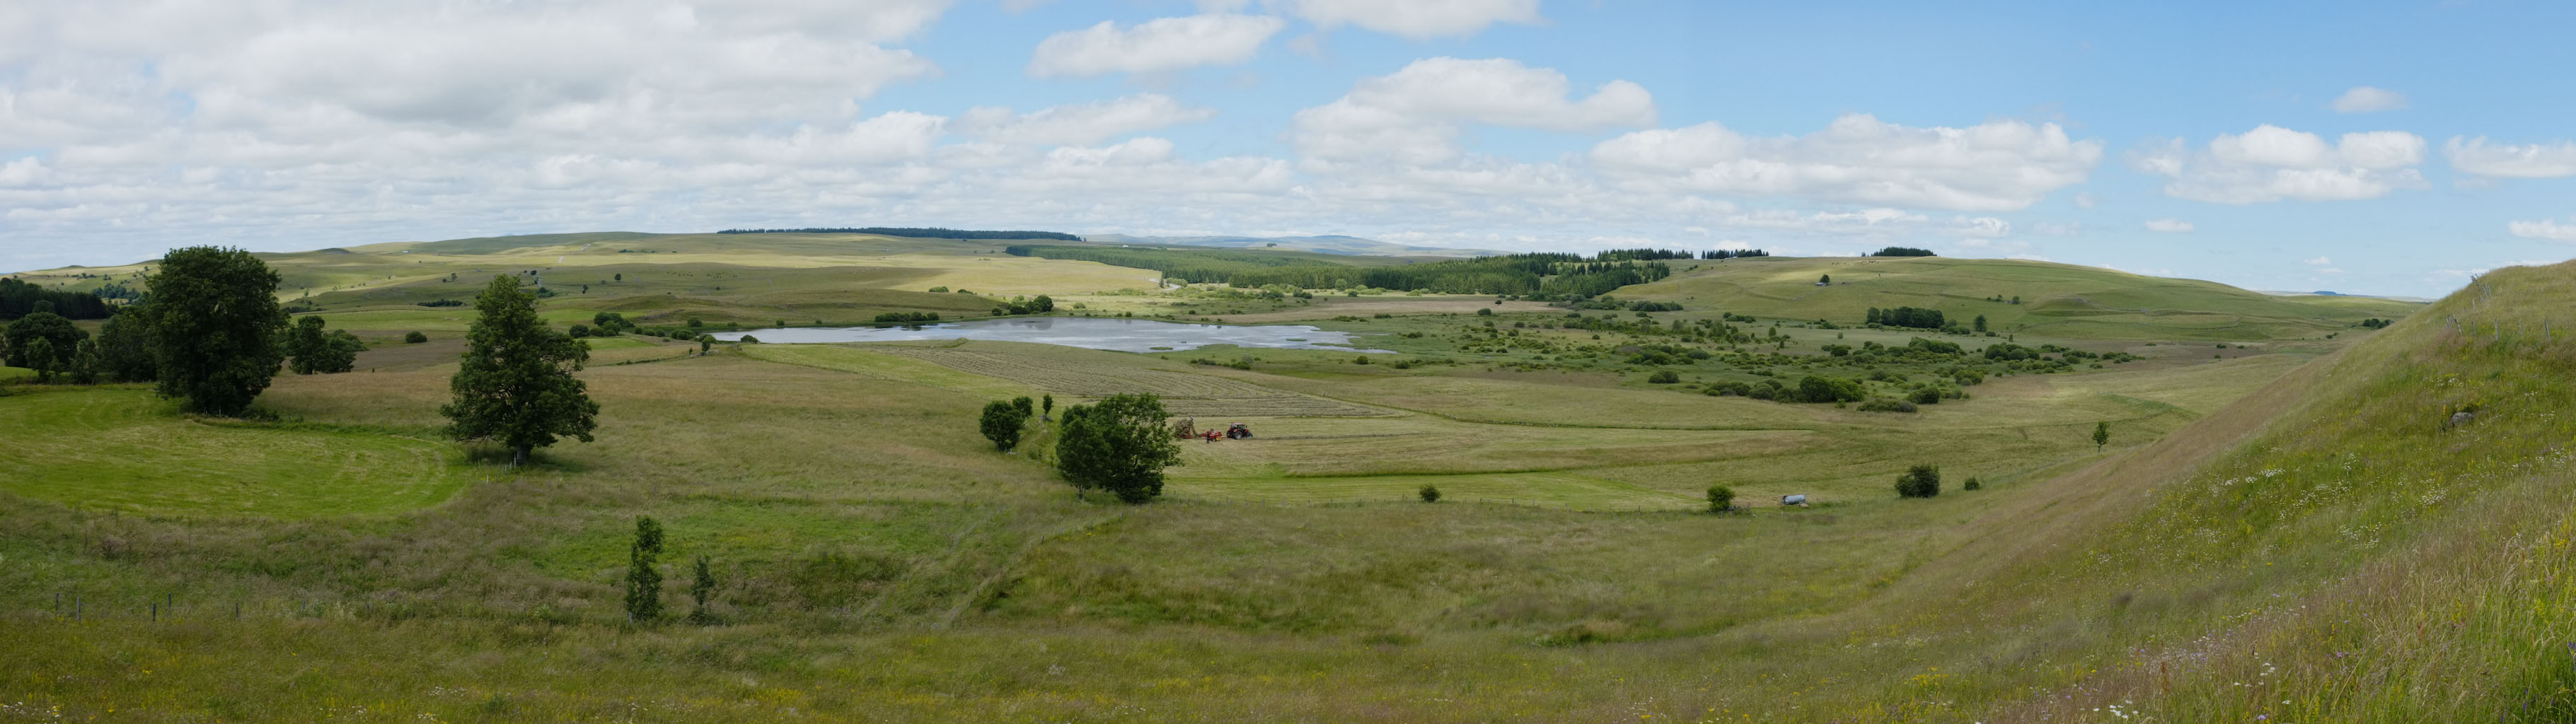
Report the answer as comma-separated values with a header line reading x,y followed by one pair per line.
x,y
318,351
57,335
19,298
215,324
516,386
1902,251
1118,444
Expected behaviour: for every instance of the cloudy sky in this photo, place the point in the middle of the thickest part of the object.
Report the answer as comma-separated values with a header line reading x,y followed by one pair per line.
x,y
2375,147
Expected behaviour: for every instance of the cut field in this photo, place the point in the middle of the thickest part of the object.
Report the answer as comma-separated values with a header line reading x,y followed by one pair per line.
x,y
118,449
1090,375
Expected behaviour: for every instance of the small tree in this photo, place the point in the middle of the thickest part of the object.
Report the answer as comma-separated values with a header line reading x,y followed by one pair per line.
x,y
1046,407
1721,499
1429,493
1120,444
1826,279
1028,408
1001,424
2101,434
40,357
303,343
1664,377
85,363
415,338
1923,481
215,323
701,587
1972,484
516,385
643,578
125,347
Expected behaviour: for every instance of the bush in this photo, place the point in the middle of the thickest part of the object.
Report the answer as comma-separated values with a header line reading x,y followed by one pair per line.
x,y
1925,396
1429,493
1923,481
1972,484
1663,377
696,322
1721,499
415,338
1882,404
1816,388
1486,312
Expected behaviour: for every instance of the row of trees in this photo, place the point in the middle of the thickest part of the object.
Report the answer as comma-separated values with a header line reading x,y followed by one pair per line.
x,y
1908,317
1902,251
1539,276
918,233
1732,253
19,299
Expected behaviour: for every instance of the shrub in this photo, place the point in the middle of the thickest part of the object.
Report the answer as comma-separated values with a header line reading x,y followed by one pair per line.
x,y
696,322
1663,377
415,338
578,331
939,290
1721,499
1486,312
1882,404
1925,396
1922,481
1429,493
747,339
1001,424
1816,388
1971,484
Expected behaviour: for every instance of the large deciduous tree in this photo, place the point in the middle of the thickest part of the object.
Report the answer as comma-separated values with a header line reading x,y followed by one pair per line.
x,y
516,385
215,323
125,346
59,336
318,351
1119,444
1001,424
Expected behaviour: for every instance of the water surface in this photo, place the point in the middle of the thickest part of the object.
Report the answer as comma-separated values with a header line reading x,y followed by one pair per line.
x,y
1111,333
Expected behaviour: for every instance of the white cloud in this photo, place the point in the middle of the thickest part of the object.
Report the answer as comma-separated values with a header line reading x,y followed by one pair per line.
x,y
2366,99
2318,261
1079,124
2271,163
1413,116
1416,19
2544,229
1163,44
2538,160
1993,166
2169,226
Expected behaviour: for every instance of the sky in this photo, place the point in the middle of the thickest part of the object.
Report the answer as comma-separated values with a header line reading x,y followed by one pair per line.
x,y
2365,147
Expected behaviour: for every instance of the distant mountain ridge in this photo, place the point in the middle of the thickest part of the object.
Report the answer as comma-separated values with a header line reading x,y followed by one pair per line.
x,y
1326,244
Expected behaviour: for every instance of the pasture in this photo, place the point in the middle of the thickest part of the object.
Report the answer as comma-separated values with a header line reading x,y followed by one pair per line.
x,y
2279,521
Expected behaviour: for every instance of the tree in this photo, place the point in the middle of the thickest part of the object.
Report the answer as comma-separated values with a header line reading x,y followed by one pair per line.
x,y
125,346
1981,324
1721,499
1923,481
643,577
1002,422
701,587
1027,407
84,365
1042,304
415,338
516,385
60,339
1429,493
1119,444
305,344
215,325
1826,279
1046,407
40,356
2101,434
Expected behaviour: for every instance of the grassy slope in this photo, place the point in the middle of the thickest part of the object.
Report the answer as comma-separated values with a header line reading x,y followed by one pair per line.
x,y
2058,300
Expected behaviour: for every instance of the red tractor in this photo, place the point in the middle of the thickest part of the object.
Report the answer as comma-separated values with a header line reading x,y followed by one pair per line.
x,y
1237,431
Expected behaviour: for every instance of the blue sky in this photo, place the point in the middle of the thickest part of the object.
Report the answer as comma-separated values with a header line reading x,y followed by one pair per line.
x,y
2389,148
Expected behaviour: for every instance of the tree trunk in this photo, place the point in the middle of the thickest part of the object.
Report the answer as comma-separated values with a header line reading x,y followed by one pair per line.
x,y
519,456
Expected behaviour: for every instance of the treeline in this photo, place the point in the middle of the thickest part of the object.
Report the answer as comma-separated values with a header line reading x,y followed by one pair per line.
x,y
1543,277
1902,251
920,233
19,299
1908,317
1732,253
1640,254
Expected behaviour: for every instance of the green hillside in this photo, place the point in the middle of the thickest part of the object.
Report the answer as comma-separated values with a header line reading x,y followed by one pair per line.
x,y
2057,300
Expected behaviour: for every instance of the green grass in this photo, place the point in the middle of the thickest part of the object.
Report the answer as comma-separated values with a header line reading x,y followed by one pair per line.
x,y
2058,300
2273,534
117,449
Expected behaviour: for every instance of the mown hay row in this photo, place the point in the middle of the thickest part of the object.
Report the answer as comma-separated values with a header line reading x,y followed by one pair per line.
x,y
1183,393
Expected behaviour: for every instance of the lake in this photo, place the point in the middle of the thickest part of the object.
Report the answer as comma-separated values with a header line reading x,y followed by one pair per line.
x,y
1111,333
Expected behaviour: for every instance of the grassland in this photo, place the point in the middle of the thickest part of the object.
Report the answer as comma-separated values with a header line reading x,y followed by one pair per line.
x,y
2290,530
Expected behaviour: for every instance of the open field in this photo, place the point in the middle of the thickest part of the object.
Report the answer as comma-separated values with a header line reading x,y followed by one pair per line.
x,y
2288,527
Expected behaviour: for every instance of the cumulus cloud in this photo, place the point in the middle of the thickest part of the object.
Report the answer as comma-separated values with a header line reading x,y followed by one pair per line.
x,y
1993,166
2271,163
1163,44
1416,19
2366,99
2170,226
1412,116
1079,124
2537,160
2545,230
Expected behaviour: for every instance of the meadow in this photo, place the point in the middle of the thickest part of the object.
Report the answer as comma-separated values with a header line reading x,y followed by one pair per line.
x,y
2286,527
